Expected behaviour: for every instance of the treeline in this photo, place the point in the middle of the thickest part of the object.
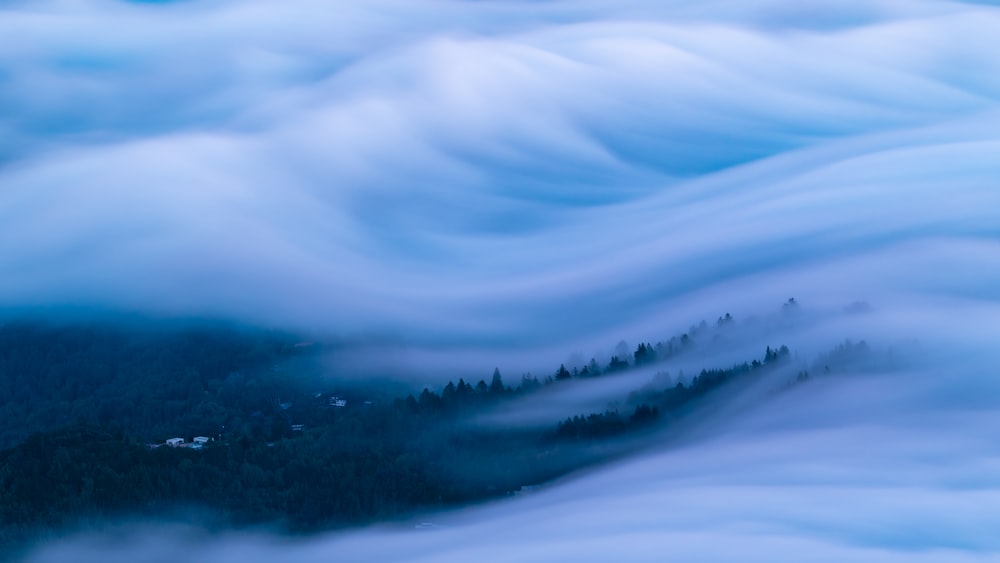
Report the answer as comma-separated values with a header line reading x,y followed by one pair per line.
x,y
457,394
282,452
152,382
158,381
363,464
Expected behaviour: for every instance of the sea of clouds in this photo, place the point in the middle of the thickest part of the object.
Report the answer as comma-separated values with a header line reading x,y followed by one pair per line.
x,y
554,176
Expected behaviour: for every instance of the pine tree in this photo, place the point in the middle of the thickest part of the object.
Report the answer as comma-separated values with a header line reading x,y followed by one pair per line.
x,y
562,374
496,385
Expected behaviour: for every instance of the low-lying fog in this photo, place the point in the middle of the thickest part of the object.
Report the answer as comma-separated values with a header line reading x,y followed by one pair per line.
x,y
523,183
880,466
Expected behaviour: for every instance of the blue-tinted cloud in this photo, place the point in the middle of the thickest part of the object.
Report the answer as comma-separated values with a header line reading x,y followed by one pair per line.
x,y
552,176
486,172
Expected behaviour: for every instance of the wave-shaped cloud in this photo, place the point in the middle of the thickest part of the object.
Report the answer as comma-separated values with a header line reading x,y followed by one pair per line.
x,y
485,171
551,174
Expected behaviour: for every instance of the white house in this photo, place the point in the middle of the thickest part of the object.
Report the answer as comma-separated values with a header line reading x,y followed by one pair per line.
x,y
175,442
201,440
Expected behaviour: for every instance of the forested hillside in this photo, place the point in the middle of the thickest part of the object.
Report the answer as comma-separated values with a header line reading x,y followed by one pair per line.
x,y
279,444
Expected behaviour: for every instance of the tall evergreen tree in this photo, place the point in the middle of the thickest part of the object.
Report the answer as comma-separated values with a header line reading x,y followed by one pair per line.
x,y
562,373
496,384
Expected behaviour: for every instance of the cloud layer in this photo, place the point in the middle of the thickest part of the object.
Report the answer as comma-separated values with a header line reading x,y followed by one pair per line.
x,y
516,175
491,172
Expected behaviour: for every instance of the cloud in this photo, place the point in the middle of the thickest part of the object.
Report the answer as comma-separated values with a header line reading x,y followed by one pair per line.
x,y
442,178
488,180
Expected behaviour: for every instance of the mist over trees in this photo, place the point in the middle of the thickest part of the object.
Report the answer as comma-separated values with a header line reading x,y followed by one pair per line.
x,y
90,407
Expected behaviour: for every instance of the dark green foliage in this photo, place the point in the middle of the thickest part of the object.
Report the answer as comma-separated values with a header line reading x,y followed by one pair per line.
x,y
644,414
775,355
360,466
608,424
83,403
496,384
562,373
681,394
153,383
597,425
644,354
529,383
617,364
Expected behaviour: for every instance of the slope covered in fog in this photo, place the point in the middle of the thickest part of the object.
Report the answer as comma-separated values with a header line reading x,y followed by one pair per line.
x,y
110,423
446,184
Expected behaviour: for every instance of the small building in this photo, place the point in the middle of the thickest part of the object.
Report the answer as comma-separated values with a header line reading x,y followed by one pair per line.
x,y
298,427
201,440
336,401
175,442
527,490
